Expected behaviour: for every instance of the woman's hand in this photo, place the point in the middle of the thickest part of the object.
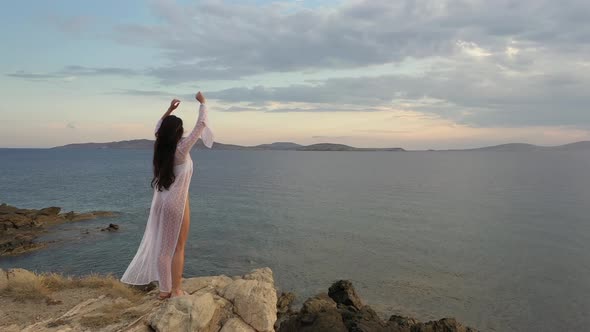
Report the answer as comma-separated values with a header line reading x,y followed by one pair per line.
x,y
199,96
173,104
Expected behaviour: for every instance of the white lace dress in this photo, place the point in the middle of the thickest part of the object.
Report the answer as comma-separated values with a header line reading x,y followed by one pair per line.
x,y
153,260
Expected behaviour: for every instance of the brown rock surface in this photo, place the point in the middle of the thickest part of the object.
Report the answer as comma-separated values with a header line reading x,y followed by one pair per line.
x,y
19,228
77,305
341,310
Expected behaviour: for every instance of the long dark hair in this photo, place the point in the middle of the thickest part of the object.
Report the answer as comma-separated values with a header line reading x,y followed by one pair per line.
x,y
167,138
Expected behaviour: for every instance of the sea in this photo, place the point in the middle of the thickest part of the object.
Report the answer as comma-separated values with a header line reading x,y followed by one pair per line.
x,y
498,240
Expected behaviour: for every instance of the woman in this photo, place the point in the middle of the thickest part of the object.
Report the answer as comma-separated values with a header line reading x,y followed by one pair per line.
x,y
160,256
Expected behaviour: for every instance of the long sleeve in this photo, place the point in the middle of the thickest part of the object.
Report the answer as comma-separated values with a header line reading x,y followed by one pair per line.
x,y
202,129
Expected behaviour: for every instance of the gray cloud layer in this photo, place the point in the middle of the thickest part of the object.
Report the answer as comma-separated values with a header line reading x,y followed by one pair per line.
x,y
504,62
219,40
75,71
494,62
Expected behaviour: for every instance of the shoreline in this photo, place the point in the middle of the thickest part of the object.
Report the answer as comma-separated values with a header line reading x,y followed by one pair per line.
x,y
246,303
21,228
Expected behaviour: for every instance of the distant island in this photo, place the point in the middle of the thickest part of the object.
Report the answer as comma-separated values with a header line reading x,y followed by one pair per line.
x,y
577,146
289,146
282,146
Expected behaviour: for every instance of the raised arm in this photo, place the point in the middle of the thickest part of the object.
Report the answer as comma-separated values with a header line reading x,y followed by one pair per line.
x,y
173,105
201,129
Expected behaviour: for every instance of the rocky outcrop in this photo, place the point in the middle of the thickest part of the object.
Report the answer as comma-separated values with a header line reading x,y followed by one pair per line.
x,y
19,228
254,298
284,303
245,303
238,304
341,310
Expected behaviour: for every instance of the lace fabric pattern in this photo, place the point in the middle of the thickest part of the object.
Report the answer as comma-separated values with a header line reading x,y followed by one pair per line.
x,y
153,260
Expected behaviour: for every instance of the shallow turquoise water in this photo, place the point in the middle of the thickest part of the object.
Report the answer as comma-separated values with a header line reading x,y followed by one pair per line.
x,y
499,240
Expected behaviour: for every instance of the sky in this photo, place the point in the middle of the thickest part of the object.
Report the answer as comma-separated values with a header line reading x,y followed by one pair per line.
x,y
417,74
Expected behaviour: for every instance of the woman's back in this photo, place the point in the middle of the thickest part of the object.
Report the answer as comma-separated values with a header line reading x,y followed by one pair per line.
x,y
201,129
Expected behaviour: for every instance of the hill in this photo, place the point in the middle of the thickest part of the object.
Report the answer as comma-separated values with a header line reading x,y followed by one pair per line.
x,y
278,146
149,144
521,147
289,146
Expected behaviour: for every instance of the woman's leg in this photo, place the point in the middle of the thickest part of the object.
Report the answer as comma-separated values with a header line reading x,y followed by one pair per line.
x,y
178,259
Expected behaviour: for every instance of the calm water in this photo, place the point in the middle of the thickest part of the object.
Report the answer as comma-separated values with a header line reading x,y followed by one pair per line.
x,y
499,240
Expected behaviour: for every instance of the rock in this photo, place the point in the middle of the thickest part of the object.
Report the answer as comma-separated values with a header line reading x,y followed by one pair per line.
x,y
318,314
20,227
262,275
7,209
192,285
443,325
202,312
209,311
111,228
315,306
20,276
236,325
205,310
69,215
3,280
402,323
226,304
284,303
16,221
254,299
342,310
343,293
49,211
48,219
245,303
284,310
175,315
16,244
363,320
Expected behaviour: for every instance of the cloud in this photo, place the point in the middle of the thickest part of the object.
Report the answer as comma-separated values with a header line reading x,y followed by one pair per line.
x,y
470,91
222,40
142,93
33,76
475,90
71,125
481,63
326,108
73,71
234,109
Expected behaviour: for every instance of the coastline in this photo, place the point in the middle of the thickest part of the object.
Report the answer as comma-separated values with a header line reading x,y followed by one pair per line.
x,y
20,228
246,303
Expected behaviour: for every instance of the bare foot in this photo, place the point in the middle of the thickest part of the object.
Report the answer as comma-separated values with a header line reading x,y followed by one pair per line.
x,y
164,295
178,292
